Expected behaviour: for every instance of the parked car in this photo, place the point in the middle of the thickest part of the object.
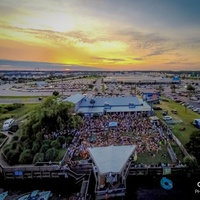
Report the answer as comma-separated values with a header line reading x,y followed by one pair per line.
x,y
157,108
174,111
167,118
165,112
177,100
7,124
196,123
196,109
14,127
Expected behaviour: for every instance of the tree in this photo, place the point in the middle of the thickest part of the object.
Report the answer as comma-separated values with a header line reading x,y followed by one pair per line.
x,y
26,157
173,88
35,147
39,157
160,89
47,117
61,139
193,146
50,116
13,156
56,144
51,154
55,93
190,161
190,89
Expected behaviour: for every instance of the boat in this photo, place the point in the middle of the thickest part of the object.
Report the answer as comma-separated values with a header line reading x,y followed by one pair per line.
x,y
36,195
3,195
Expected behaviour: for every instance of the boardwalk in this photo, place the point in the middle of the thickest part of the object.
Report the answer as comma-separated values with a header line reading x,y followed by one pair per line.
x,y
2,160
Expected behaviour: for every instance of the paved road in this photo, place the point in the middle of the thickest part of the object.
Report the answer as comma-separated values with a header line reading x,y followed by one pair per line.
x,y
5,91
18,100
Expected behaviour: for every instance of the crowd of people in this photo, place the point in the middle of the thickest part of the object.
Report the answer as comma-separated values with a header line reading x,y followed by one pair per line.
x,y
131,129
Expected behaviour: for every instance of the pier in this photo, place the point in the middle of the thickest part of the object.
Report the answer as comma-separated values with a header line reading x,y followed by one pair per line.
x,y
82,175
77,172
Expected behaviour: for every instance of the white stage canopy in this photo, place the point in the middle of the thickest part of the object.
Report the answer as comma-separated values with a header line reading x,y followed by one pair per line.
x,y
111,158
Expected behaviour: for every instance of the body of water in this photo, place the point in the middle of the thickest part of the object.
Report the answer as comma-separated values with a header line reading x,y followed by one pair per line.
x,y
138,188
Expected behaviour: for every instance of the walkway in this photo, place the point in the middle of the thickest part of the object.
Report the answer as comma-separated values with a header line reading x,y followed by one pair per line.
x,y
2,160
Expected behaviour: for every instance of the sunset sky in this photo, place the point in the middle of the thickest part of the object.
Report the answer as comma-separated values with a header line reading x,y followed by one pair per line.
x,y
107,34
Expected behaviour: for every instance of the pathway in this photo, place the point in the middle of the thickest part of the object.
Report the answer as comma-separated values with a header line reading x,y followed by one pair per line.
x,y
2,160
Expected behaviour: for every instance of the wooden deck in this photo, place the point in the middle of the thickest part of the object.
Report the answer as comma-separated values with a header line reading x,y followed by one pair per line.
x,y
35,172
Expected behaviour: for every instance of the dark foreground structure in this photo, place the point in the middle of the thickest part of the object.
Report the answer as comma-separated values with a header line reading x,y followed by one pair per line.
x,y
110,181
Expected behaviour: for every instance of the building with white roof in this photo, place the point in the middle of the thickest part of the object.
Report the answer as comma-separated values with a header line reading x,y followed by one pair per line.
x,y
111,165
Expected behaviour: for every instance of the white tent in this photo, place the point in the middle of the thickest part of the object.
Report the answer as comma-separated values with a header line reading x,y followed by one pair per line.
x,y
111,158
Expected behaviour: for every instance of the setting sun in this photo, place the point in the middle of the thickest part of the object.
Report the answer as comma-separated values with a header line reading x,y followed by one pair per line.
x,y
99,34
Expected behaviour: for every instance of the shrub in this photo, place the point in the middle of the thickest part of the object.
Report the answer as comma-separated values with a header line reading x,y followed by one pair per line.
x,y
23,138
190,161
39,157
36,147
14,145
15,138
9,107
6,149
51,154
61,139
26,157
68,139
44,148
55,144
13,157
18,105
47,142
55,93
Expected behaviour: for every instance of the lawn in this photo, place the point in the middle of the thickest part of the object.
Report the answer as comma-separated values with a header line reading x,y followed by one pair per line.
x,y
145,158
186,115
17,113
61,154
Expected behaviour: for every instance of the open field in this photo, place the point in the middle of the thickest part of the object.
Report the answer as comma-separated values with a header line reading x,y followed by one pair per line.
x,y
186,115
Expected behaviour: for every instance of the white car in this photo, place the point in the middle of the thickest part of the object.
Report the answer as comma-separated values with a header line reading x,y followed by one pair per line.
x,y
7,124
167,118
196,109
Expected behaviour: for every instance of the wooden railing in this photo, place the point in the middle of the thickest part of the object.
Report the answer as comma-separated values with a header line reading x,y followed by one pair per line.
x,y
85,169
4,141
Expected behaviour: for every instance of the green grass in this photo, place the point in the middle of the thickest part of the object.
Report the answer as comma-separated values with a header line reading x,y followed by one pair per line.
x,y
17,113
177,151
145,158
186,115
61,154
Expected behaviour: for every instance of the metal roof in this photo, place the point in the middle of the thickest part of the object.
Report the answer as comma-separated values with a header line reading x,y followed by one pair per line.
x,y
99,106
112,101
111,158
74,98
